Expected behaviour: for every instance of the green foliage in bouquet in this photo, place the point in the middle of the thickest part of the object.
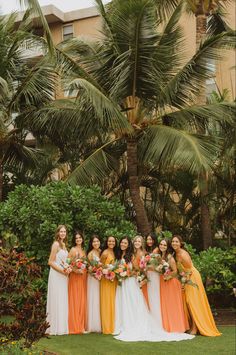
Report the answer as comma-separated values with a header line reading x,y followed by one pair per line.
x,y
21,296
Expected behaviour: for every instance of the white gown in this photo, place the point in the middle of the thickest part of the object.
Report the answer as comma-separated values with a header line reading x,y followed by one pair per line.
x,y
57,298
93,305
153,287
133,321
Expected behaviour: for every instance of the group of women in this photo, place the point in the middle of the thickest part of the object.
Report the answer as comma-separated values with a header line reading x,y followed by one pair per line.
x,y
160,310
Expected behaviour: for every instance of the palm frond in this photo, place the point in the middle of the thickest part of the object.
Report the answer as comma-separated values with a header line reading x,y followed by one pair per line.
x,y
94,168
169,147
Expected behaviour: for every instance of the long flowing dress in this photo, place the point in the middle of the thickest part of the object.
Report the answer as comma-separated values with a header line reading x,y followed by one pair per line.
x,y
57,298
133,322
198,305
153,288
172,306
107,299
144,288
93,305
77,292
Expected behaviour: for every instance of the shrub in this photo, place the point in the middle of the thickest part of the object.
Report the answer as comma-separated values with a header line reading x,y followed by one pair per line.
x,y
32,214
21,297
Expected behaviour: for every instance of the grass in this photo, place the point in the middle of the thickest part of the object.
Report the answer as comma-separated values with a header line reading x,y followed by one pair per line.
x,y
96,344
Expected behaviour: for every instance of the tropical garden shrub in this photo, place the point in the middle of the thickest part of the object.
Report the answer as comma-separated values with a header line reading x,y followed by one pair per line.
x,y
21,296
30,215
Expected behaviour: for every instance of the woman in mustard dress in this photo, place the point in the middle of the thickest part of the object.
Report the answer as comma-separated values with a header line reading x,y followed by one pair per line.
x,y
108,288
77,289
196,299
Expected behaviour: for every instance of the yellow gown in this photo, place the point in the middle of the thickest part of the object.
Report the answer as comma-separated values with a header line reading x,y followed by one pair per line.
x,y
107,300
198,305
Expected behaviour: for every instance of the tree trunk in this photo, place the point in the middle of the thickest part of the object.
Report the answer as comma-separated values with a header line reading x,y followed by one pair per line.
x,y
201,27
143,225
1,181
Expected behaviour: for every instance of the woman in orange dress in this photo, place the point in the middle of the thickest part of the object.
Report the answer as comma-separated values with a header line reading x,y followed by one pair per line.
x,y
139,252
202,320
172,307
108,288
77,289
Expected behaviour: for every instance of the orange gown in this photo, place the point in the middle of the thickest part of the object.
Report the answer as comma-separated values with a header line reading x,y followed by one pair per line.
x,y
107,301
172,306
77,298
198,306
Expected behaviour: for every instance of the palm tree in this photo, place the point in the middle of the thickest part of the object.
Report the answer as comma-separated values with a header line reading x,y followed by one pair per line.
x,y
24,86
132,87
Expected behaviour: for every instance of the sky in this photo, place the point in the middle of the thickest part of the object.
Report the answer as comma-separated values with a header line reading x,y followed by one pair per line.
x,y
7,6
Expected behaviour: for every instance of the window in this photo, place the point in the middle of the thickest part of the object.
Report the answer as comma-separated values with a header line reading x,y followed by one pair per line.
x,y
67,32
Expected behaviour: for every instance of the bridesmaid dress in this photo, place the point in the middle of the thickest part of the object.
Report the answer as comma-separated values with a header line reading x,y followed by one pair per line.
x,y
77,292
57,298
108,293
93,303
174,318
198,305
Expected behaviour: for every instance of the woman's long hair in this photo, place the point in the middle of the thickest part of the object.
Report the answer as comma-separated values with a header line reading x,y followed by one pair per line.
x,y
90,245
105,246
169,249
154,238
57,235
142,246
73,242
128,252
182,244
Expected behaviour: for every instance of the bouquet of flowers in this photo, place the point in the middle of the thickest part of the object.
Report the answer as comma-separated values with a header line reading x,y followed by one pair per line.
x,y
122,271
184,277
153,260
108,272
66,265
95,268
79,264
141,274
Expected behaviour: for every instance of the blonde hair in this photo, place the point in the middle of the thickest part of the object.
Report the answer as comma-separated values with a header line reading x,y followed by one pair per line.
x,y
142,241
57,235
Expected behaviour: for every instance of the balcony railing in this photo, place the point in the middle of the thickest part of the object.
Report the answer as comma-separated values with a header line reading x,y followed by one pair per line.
x,y
31,50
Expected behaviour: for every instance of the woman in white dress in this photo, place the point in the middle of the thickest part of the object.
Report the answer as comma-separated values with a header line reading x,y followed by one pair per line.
x,y
93,288
133,321
153,286
57,296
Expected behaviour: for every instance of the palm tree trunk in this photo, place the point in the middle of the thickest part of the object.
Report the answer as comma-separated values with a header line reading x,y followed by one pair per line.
x,y
201,26
1,181
143,225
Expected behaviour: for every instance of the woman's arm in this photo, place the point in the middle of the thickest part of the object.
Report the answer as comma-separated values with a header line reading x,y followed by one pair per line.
x,y
52,258
173,266
104,256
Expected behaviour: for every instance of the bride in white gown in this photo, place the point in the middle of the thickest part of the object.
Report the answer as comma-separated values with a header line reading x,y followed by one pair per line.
x,y
133,321
57,296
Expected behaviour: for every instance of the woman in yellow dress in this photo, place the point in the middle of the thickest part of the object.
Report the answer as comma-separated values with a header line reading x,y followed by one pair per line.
x,y
197,303
108,288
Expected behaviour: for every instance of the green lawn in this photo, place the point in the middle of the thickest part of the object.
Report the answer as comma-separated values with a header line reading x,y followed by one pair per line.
x,y
96,344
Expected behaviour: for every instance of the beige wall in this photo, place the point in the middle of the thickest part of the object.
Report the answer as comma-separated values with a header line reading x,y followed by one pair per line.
x,y
225,73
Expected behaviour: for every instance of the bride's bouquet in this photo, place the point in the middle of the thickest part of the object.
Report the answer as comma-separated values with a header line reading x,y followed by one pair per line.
x,y
141,274
95,268
108,272
122,271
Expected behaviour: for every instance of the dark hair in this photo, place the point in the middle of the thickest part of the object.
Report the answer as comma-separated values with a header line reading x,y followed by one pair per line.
x,y
129,251
74,238
105,246
182,243
153,235
169,250
90,245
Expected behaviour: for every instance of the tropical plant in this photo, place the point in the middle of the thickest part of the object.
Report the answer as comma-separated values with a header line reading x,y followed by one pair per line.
x,y
24,86
132,88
